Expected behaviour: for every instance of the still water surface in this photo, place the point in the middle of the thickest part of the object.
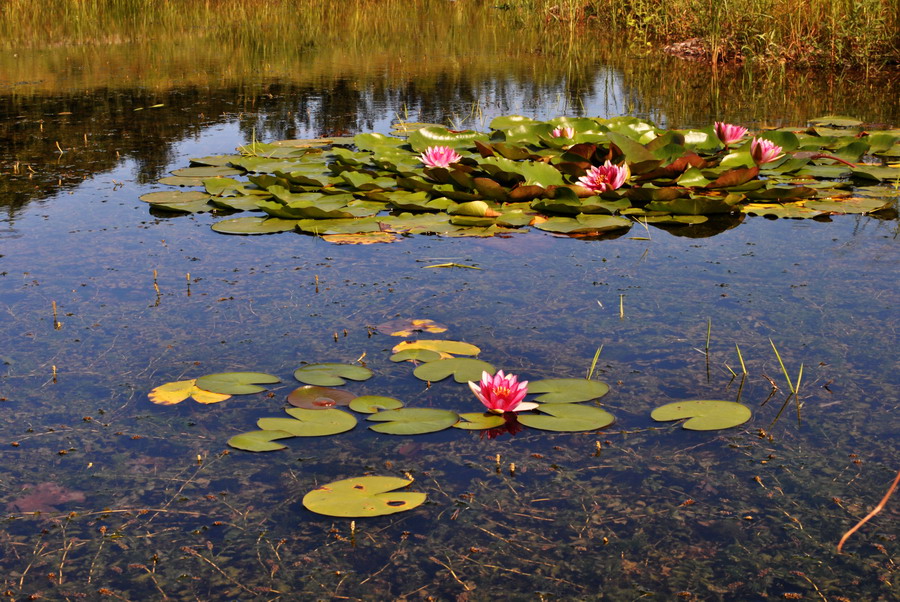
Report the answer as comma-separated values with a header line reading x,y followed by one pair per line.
x,y
106,492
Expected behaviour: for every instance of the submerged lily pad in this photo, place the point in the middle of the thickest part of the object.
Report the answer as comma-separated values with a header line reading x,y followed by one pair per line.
x,y
463,369
363,496
567,390
310,423
259,441
331,375
567,418
319,398
236,383
413,421
704,415
370,404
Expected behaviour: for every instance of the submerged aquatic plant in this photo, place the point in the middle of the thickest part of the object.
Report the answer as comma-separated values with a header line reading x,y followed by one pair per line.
x,y
502,393
764,151
602,178
728,133
439,156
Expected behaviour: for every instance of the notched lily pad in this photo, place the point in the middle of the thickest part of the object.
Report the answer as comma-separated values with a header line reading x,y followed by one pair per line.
x,y
567,390
416,355
567,418
463,369
704,415
331,375
310,423
413,421
371,404
445,348
363,496
479,421
236,383
259,441
173,393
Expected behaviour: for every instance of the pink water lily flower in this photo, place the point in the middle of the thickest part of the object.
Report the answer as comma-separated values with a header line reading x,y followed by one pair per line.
x,y
729,134
439,156
502,393
563,132
604,177
764,151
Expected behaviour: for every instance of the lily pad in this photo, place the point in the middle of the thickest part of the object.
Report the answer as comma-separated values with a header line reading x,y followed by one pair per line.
x,y
363,496
174,197
173,393
254,225
567,390
206,172
443,347
259,441
405,327
236,383
704,415
479,421
331,375
319,398
371,404
567,418
413,421
463,369
310,423
416,355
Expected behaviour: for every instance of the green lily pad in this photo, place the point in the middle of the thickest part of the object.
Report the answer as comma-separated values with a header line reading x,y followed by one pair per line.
x,y
371,404
704,415
174,197
875,172
259,441
331,375
254,225
463,369
789,210
567,390
310,423
479,421
849,205
206,172
363,496
413,421
567,418
415,355
236,383
583,224
319,398
836,121
443,347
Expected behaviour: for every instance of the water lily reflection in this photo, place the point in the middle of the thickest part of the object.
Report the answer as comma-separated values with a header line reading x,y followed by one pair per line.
x,y
502,393
439,156
510,425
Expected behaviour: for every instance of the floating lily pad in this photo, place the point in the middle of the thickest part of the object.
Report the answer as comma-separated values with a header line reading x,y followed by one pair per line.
x,y
416,355
310,423
319,398
704,415
363,496
849,205
254,225
366,238
259,441
370,404
236,383
172,393
331,375
479,421
413,421
206,172
567,390
405,327
442,347
463,369
174,197
567,418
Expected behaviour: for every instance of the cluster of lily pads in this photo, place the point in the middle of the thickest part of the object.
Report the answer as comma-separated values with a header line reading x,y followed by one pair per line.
x,y
574,176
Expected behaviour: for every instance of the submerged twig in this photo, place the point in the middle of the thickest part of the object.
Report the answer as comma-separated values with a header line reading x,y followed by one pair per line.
x,y
877,509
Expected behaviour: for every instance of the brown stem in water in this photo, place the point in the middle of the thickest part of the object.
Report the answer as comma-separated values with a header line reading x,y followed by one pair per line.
x,y
872,513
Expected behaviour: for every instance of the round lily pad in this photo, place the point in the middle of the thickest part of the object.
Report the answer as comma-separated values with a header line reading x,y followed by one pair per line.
x,y
363,496
259,441
174,197
330,375
704,415
413,421
310,423
319,398
443,347
416,355
567,418
463,369
370,404
236,383
479,421
206,172
254,225
567,390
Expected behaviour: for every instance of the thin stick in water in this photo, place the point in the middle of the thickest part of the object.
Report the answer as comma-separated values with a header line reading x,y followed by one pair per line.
x,y
877,509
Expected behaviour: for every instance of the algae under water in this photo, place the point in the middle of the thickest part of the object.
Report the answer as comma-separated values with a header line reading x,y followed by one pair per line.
x,y
107,494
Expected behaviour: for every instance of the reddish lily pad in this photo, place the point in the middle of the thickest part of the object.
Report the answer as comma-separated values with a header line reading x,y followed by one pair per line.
x,y
319,398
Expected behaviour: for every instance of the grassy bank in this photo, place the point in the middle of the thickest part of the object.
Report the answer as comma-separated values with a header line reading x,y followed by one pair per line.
x,y
800,32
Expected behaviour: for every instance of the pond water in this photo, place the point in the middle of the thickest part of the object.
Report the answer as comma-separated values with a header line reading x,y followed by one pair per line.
x,y
106,494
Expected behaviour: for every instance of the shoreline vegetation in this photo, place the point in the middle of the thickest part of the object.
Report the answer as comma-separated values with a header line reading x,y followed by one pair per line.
x,y
805,33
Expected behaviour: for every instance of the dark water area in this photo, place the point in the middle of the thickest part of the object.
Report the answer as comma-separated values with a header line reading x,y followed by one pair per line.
x,y
108,495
